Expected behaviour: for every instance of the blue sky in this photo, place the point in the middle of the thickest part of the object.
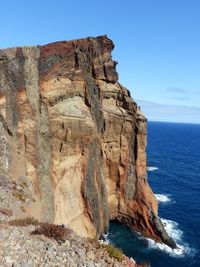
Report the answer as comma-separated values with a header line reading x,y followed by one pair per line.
x,y
157,43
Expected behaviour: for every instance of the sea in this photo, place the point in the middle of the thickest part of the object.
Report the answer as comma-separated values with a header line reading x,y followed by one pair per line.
x,y
173,153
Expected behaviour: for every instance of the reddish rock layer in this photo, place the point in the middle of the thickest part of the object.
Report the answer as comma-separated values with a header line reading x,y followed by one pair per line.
x,y
69,127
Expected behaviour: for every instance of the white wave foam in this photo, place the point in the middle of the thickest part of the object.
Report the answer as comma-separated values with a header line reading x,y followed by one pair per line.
x,y
104,240
180,251
172,229
162,198
151,168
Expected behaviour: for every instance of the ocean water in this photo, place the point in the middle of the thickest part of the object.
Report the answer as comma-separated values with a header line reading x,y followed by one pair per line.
x,y
174,174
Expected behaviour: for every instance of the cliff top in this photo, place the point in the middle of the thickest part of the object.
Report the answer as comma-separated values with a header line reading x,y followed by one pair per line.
x,y
64,46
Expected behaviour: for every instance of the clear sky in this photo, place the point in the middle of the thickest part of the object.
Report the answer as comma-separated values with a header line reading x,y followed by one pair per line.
x,y
157,42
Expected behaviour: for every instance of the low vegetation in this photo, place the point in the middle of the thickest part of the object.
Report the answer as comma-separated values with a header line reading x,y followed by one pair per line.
x,y
57,232
114,252
24,222
19,196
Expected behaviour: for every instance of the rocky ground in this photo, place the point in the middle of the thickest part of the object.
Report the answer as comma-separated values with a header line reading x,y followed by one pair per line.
x,y
19,247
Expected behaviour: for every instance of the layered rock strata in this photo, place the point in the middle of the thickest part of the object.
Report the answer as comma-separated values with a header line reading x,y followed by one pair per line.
x,y
70,128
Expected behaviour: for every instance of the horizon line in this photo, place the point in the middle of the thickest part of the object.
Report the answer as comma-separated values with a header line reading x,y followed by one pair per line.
x,y
175,122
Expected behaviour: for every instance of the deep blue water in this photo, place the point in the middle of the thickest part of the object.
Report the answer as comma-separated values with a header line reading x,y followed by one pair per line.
x,y
175,150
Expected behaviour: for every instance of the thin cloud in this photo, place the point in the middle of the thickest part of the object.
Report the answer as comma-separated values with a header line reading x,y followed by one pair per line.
x,y
170,113
179,98
176,90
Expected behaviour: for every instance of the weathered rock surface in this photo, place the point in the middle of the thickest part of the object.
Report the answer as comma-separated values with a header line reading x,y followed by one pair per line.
x,y
27,242
19,248
71,130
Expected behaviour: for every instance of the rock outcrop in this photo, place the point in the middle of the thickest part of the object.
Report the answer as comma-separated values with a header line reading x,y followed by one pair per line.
x,y
70,128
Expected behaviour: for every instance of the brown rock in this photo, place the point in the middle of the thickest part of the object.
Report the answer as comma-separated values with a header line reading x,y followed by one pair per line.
x,y
77,135
6,212
3,226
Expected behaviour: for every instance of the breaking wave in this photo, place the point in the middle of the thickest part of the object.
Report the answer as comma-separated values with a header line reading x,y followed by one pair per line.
x,y
152,168
104,239
173,231
162,198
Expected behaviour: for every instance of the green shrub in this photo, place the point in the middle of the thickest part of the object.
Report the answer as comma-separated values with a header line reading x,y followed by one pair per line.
x,y
114,252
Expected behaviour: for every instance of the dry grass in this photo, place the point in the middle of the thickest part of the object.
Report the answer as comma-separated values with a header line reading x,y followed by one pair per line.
x,y
19,196
23,208
24,222
57,232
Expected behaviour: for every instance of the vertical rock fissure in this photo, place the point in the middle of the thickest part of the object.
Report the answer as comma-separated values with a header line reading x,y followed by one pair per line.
x,y
96,196
92,90
4,124
4,151
130,183
11,79
11,114
4,148
32,55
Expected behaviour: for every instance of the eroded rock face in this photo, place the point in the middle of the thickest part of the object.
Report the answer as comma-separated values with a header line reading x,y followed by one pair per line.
x,y
69,127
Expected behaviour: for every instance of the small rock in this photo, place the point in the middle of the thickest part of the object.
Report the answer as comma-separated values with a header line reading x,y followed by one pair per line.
x,y
72,254
80,253
90,255
67,243
132,260
6,212
8,260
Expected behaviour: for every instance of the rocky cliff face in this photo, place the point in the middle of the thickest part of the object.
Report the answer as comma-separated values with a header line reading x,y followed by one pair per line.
x,y
74,132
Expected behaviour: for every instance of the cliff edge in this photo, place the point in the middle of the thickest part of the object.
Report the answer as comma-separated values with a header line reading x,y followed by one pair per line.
x,y
73,131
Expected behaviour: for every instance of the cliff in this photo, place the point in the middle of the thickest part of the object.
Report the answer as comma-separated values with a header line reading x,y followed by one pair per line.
x,y
69,128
